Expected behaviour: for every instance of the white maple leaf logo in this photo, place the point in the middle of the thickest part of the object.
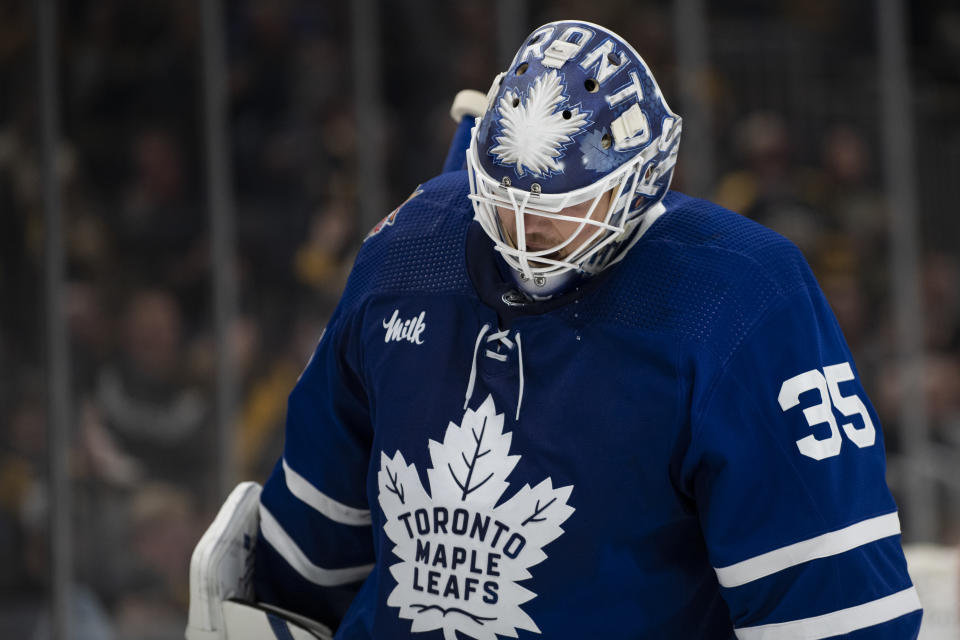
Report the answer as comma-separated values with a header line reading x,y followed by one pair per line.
x,y
534,132
462,555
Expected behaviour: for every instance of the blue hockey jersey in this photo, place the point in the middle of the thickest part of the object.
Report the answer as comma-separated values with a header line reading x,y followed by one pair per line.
x,y
680,447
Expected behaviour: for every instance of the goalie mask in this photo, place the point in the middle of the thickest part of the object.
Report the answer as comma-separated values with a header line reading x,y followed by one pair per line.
x,y
576,138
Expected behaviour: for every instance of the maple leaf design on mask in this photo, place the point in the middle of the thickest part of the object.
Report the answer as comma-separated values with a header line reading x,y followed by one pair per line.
x,y
594,155
534,131
461,553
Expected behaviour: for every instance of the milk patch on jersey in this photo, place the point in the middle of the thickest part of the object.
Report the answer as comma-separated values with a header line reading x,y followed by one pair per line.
x,y
461,555
399,329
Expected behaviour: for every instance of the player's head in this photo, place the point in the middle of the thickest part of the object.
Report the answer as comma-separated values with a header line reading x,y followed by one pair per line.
x,y
576,144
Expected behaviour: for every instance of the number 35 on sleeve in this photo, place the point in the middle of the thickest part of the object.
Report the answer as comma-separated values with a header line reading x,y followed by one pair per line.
x,y
827,384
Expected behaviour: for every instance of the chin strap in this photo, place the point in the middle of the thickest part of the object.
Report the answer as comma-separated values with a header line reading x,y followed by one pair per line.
x,y
545,287
503,338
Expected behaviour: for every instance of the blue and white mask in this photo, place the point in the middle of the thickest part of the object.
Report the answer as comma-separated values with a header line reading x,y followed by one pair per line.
x,y
576,115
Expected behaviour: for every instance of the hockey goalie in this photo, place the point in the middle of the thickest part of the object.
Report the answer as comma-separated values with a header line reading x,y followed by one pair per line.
x,y
558,399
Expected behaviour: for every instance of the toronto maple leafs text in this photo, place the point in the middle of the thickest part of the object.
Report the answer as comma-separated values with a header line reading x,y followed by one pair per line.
x,y
441,561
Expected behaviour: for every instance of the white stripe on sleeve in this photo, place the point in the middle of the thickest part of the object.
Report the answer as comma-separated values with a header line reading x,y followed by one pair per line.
x,y
288,549
822,546
309,494
838,622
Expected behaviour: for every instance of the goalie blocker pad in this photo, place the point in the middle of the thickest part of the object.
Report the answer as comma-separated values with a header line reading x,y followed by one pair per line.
x,y
221,580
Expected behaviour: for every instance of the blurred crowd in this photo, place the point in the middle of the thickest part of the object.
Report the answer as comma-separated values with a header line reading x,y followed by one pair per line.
x,y
138,301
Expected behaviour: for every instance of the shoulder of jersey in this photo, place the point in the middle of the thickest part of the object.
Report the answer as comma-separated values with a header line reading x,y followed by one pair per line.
x,y
711,238
702,239
420,244
702,273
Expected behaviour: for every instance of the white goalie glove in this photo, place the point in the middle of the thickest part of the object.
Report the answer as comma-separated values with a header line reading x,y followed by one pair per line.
x,y
222,603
